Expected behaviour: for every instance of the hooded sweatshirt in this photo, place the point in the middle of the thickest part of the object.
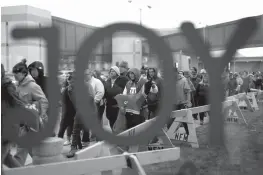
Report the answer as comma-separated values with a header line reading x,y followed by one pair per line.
x,y
41,79
133,87
182,89
31,92
153,98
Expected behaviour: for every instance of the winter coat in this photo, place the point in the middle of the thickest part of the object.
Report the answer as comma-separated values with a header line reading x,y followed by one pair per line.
x,y
112,91
32,93
153,99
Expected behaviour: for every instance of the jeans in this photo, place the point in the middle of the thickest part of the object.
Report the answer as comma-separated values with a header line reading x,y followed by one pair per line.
x,y
65,125
112,114
77,127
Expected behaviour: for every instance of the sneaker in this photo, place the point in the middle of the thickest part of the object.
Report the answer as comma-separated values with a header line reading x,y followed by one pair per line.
x,y
72,152
67,142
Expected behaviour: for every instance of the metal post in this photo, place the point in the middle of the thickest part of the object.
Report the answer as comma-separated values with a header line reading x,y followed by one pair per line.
x,y
140,16
204,34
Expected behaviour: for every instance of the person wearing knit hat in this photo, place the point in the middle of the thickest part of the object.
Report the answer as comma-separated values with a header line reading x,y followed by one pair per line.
x,y
113,86
115,69
29,91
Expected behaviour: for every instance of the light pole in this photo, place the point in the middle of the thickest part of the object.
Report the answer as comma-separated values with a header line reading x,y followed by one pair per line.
x,y
140,10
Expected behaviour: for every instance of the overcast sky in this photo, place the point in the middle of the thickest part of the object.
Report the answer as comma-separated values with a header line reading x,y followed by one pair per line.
x,y
164,14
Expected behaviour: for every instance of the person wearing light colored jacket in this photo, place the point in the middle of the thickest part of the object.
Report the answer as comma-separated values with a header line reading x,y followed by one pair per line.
x,y
98,94
29,91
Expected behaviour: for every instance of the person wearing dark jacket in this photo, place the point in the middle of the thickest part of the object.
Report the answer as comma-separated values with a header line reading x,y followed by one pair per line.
x,y
78,125
153,99
232,85
123,67
113,86
68,113
9,100
202,92
195,81
36,70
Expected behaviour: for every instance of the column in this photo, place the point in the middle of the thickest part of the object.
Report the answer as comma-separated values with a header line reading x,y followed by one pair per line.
x,y
31,49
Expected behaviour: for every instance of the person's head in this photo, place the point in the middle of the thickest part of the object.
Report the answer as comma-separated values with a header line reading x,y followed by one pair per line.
x,y
194,72
114,72
2,70
20,70
134,74
202,72
123,66
96,74
205,78
187,74
36,69
152,73
245,74
231,75
236,75
88,74
131,76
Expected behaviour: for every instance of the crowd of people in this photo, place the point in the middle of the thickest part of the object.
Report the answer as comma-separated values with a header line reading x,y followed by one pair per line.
x,y
192,88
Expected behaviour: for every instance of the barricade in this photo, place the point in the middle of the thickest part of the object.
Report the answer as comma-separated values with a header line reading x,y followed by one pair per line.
x,y
242,101
252,99
231,111
102,148
258,93
173,132
130,163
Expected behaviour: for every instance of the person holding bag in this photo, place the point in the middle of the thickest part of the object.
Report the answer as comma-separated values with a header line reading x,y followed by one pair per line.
x,y
30,92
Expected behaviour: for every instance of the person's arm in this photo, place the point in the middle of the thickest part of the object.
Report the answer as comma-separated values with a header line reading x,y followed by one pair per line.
x,y
13,93
124,91
39,96
187,91
99,91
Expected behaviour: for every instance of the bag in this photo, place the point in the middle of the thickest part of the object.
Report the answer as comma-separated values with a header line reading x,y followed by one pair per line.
x,y
36,123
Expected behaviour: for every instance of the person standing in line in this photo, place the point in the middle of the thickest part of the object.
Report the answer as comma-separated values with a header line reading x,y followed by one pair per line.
x,y
78,124
232,85
123,67
134,86
36,70
259,80
68,112
202,92
183,100
153,99
244,87
195,80
32,93
99,91
9,101
113,86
